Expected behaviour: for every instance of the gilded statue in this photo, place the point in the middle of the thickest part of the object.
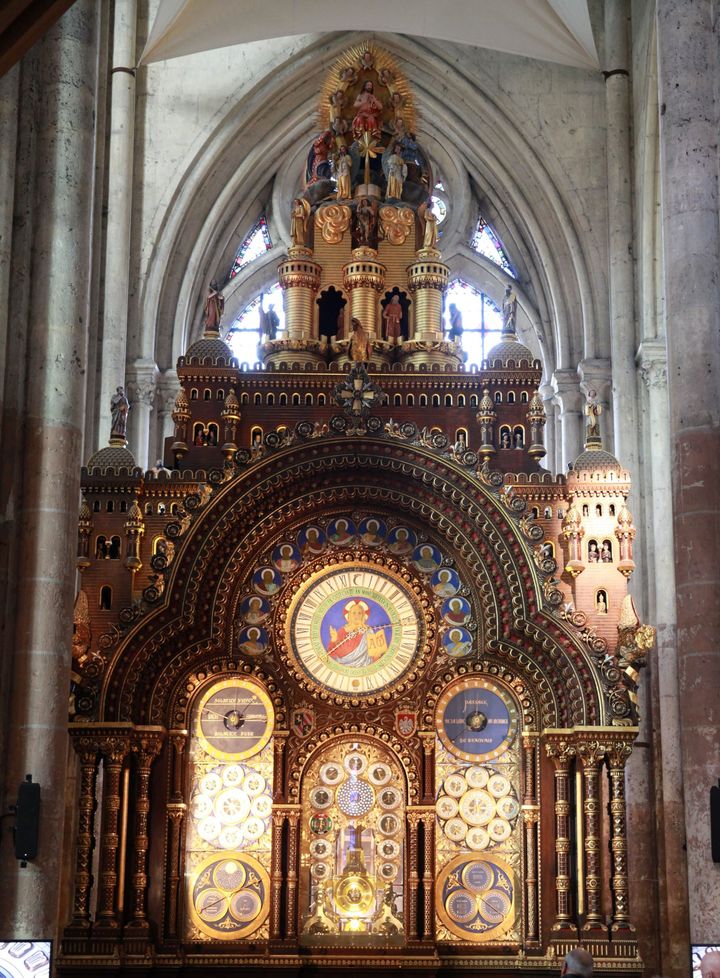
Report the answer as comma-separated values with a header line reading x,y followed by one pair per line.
x,y
396,172
430,222
299,216
119,408
343,174
360,347
593,410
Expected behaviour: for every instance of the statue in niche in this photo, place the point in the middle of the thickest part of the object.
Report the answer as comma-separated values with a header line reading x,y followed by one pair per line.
x,y
509,310
395,172
606,552
360,347
601,603
213,309
343,174
299,216
430,226
119,408
456,324
392,315
593,410
368,114
593,553
366,224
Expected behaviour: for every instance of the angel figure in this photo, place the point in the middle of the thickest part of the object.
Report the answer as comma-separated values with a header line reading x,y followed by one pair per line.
x,y
396,173
343,174
299,221
430,234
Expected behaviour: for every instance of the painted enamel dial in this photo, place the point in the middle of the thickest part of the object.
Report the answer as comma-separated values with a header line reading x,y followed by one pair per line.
x,y
229,896
354,630
235,719
476,898
476,720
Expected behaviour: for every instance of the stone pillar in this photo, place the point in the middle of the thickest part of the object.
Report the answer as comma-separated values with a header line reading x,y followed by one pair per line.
x,y
623,341
119,208
663,667
65,65
561,755
9,97
146,748
550,461
592,881
167,390
141,388
687,75
570,404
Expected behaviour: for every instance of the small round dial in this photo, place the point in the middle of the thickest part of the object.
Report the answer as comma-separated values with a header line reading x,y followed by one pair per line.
x,y
476,898
235,719
476,720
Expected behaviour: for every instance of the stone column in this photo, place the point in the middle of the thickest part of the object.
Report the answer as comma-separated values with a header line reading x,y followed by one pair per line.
x,y
663,666
65,65
167,390
141,388
119,207
9,97
561,755
570,404
550,461
687,75
623,341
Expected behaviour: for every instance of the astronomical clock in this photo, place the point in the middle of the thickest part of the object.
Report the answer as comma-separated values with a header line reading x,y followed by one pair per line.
x,y
344,693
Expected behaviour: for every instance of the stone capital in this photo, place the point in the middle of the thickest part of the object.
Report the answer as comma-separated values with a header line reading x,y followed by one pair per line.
x,y
596,374
142,381
652,363
568,396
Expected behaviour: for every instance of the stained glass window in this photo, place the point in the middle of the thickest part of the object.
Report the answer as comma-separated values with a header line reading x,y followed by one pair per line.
x,y
481,319
257,242
487,243
244,333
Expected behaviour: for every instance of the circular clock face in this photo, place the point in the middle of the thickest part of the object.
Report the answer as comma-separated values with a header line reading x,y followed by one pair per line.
x,y
476,898
354,630
476,720
235,719
229,896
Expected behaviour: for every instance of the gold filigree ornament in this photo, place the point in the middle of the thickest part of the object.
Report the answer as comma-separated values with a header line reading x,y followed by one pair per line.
x,y
332,221
396,223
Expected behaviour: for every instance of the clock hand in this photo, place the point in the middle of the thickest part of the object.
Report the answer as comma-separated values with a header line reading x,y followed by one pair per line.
x,y
214,713
224,896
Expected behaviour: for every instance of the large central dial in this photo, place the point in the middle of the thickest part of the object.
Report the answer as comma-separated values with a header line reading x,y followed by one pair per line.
x,y
355,629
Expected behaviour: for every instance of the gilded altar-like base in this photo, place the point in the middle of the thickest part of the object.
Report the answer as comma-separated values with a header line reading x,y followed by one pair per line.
x,y
442,352
290,351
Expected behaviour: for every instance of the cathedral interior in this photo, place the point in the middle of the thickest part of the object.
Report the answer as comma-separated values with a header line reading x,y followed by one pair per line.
x,y
360,489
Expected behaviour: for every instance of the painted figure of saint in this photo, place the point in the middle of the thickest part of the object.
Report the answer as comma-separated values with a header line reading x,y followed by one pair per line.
x,y
368,110
356,643
343,174
392,314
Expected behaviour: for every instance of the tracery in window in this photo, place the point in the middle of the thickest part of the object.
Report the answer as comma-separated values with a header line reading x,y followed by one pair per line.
x,y
245,332
481,318
256,242
487,243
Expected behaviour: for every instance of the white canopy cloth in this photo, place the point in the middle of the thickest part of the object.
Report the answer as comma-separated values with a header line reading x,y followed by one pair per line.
x,y
551,30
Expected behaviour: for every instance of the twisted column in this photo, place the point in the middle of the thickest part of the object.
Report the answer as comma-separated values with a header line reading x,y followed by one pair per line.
x,y
147,749
561,755
293,817
531,817
591,762
413,876
618,840
114,750
176,811
88,753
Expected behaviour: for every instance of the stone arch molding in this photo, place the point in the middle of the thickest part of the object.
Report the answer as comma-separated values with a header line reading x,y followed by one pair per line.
x,y
278,115
483,530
